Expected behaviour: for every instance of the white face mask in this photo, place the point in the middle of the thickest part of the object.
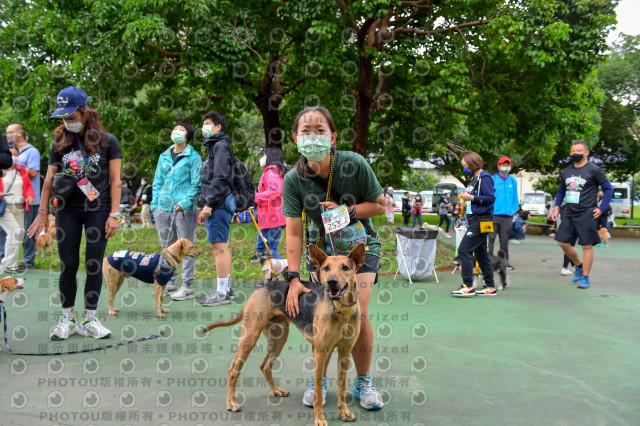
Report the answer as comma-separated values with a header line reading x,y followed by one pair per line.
x,y
207,131
178,137
74,126
505,170
263,161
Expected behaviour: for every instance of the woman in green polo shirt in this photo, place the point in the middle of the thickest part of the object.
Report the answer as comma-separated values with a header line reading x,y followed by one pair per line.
x,y
349,175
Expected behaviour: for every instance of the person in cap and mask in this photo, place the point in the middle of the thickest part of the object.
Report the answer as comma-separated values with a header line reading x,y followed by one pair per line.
x,y
90,160
505,206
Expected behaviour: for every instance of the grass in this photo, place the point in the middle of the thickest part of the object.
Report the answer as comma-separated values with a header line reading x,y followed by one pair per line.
x,y
242,243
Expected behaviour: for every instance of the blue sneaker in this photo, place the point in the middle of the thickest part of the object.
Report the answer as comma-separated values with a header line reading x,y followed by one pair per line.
x,y
307,398
584,282
577,275
369,397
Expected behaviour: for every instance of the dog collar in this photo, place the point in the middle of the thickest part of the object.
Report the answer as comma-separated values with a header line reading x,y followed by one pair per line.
x,y
351,308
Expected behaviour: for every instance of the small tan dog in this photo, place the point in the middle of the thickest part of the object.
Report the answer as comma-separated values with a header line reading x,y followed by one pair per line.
x,y
604,235
7,285
156,268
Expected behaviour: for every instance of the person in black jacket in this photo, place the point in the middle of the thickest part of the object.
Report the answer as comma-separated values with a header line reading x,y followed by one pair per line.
x,y
144,197
406,209
479,198
5,155
218,203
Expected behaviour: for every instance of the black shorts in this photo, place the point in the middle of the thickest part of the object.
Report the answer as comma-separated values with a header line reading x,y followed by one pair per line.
x,y
371,265
584,227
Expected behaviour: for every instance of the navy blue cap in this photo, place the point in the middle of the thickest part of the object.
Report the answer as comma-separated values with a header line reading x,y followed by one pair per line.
x,y
69,99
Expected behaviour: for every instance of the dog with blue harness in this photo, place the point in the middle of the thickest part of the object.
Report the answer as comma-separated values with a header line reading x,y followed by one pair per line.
x,y
156,268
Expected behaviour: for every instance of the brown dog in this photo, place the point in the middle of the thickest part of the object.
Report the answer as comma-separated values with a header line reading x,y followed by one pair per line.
x,y
156,268
329,317
604,235
7,285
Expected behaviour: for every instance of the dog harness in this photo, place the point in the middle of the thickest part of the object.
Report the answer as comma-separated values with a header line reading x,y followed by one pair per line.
x,y
147,268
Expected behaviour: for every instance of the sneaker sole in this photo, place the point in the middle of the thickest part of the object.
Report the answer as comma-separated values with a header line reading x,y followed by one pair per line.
x,y
88,334
190,296
583,286
224,302
464,295
486,295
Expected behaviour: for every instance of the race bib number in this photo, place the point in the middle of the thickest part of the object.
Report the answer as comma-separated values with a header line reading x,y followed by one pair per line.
x,y
349,237
572,197
120,253
336,219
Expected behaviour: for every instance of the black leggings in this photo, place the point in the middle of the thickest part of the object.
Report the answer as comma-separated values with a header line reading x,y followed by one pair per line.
x,y
445,218
69,234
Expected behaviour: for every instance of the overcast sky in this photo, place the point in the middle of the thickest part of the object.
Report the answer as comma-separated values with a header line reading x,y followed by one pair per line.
x,y
628,14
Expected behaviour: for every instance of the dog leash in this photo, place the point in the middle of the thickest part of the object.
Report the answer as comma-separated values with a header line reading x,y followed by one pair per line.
x,y
6,341
264,240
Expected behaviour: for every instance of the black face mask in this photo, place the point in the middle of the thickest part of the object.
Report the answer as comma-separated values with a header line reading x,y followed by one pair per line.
x,y
576,158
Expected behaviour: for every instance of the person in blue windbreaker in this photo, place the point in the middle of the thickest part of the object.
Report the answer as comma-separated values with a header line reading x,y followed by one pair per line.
x,y
505,206
176,186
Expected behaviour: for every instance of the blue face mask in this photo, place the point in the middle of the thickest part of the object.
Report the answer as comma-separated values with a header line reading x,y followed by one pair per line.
x,y
467,171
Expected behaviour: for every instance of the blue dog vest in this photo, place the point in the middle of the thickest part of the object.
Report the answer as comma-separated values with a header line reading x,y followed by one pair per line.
x,y
141,266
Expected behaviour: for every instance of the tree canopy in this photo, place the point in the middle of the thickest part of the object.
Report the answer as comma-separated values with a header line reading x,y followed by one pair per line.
x,y
422,79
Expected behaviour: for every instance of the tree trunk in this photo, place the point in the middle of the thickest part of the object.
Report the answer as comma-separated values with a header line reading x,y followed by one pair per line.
x,y
269,106
363,106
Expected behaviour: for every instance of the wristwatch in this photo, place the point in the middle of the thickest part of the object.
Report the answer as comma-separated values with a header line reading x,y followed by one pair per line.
x,y
291,275
116,215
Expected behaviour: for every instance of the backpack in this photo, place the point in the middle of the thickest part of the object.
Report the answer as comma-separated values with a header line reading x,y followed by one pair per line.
x,y
241,185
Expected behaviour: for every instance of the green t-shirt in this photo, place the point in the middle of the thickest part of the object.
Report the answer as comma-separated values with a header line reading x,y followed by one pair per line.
x,y
352,177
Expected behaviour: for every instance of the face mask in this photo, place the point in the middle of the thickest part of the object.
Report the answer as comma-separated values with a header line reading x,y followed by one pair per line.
x,y
467,171
15,159
505,170
74,127
576,158
314,147
207,131
263,161
178,136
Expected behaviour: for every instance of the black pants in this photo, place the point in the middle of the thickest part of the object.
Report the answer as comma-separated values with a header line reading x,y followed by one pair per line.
x,y
502,226
475,243
445,218
405,219
566,261
69,234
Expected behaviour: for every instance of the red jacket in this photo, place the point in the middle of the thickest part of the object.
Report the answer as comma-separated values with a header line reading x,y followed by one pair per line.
x,y
27,189
269,199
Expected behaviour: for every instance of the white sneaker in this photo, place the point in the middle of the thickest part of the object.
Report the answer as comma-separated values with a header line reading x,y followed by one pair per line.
x,y
169,288
67,326
514,242
566,271
183,294
92,327
307,397
369,397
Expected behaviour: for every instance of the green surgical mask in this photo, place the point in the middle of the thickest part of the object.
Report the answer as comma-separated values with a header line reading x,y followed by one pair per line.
x,y
314,147
178,136
207,131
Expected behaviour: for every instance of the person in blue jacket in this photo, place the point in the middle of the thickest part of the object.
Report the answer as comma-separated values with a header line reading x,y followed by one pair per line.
x,y
479,198
176,186
505,206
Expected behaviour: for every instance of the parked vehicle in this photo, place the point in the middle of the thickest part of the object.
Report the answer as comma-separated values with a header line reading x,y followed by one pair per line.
x,y
621,200
427,201
398,194
536,202
439,188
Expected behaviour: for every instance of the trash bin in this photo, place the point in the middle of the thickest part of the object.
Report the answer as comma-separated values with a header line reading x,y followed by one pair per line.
x,y
416,252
